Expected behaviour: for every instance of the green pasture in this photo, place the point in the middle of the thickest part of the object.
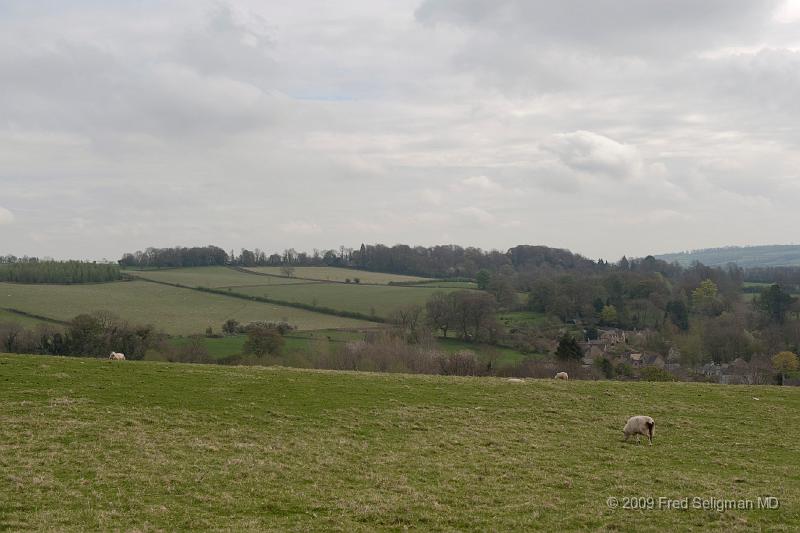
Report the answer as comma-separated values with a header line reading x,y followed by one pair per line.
x,y
97,445
175,310
338,274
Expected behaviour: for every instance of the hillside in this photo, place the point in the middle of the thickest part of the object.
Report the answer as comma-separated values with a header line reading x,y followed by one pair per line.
x,y
175,310
744,256
95,445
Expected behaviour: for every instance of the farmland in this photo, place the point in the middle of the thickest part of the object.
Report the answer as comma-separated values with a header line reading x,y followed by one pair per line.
x,y
213,277
339,274
366,299
25,321
175,310
304,348
94,445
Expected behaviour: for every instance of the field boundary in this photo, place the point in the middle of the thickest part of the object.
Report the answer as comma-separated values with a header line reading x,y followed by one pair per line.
x,y
396,284
284,303
33,315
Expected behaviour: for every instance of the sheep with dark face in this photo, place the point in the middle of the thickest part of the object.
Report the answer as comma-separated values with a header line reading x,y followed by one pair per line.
x,y
640,425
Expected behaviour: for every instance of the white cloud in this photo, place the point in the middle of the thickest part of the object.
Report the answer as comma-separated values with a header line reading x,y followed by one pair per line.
x,y
6,216
479,123
300,228
595,154
482,183
476,214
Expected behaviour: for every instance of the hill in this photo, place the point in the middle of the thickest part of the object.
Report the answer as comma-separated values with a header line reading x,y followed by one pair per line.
x,y
175,310
97,445
744,256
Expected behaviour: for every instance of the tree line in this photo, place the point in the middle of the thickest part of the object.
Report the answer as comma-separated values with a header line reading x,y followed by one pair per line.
x,y
35,271
94,335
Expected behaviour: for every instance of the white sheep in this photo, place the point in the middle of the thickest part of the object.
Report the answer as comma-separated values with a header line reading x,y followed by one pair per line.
x,y
117,356
562,375
640,425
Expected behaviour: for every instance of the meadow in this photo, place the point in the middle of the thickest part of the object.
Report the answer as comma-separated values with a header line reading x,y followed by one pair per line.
x,y
304,348
213,277
370,300
96,445
174,310
25,321
339,274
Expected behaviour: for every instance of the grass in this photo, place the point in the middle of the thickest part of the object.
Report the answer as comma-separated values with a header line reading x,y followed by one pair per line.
x,y
339,274
310,344
367,299
176,311
97,445
25,321
303,342
523,318
502,356
213,277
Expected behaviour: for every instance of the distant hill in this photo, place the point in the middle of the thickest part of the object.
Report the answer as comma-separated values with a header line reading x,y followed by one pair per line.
x,y
744,256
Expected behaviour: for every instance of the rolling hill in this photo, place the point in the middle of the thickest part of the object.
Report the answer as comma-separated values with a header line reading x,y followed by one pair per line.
x,y
744,256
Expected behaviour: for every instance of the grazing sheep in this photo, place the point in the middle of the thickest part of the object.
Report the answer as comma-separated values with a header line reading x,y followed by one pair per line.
x,y
515,380
640,425
562,375
117,356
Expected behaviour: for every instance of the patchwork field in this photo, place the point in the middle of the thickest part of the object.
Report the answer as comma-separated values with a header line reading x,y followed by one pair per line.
x,y
175,310
213,277
96,445
372,300
339,274
25,321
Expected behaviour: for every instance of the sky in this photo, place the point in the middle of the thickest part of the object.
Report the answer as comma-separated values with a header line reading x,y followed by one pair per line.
x,y
606,127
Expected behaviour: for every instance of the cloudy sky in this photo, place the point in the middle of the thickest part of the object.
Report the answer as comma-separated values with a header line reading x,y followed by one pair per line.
x,y
608,127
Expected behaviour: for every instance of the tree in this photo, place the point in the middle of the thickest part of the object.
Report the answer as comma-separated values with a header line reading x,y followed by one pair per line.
x,y
775,303
605,366
678,314
287,270
482,278
705,299
568,348
262,340
785,362
230,327
408,319
608,315
439,311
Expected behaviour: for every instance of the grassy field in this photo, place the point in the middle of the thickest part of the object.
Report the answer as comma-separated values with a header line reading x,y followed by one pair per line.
x,y
94,445
176,311
25,321
339,274
367,299
295,342
213,277
310,344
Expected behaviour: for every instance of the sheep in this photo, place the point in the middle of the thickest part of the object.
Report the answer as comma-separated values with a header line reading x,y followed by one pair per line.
x,y
515,380
639,425
562,375
117,356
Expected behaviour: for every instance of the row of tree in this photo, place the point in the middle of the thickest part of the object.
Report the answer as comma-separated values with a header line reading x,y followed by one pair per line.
x,y
58,272
93,335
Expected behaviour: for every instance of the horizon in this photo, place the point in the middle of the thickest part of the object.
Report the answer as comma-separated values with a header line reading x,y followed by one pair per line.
x,y
419,121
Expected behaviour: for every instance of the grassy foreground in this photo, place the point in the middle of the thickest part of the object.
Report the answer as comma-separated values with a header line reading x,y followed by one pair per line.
x,y
90,444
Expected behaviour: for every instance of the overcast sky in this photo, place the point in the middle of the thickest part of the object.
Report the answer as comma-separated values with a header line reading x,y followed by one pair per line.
x,y
608,127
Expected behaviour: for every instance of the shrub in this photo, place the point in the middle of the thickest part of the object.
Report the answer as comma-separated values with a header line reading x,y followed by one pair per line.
x,y
262,339
653,373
